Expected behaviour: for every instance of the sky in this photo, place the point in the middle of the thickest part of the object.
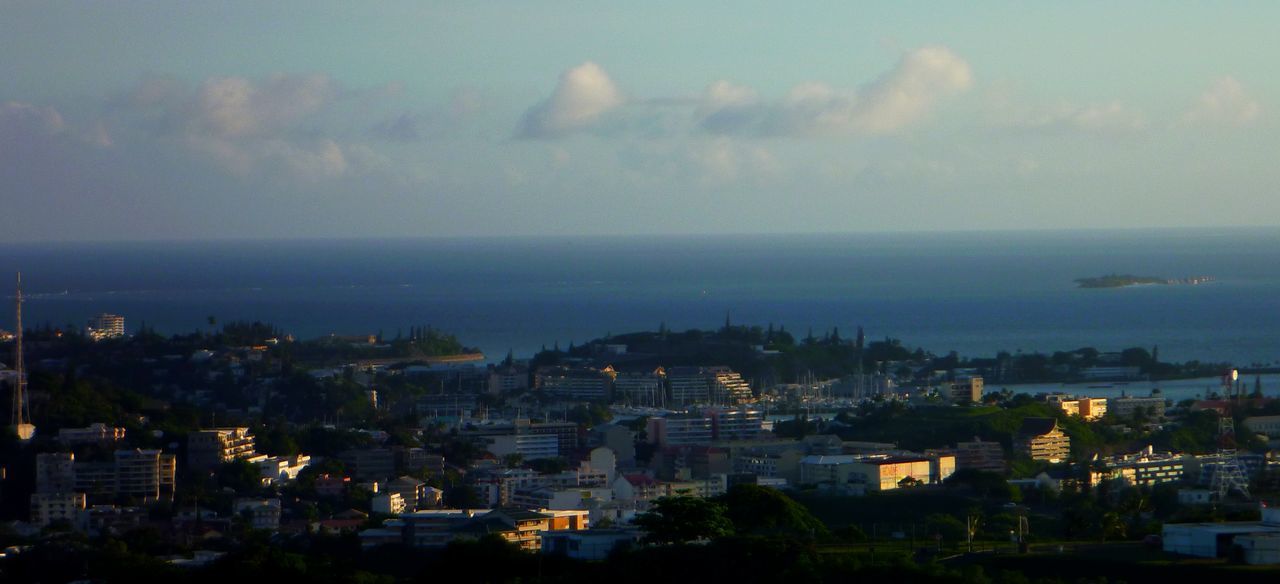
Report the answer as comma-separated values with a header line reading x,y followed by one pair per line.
x,y
307,119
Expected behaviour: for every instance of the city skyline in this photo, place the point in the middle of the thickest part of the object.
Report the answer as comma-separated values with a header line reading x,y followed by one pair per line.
x,y
153,121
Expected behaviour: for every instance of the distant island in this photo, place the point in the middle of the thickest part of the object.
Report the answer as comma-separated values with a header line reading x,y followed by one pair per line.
x,y
1125,280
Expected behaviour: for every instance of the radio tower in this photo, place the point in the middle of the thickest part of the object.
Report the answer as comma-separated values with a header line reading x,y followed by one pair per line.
x,y
21,413
1229,473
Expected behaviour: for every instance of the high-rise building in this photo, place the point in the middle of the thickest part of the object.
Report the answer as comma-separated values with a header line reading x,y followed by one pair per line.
x,y
105,326
1042,439
209,448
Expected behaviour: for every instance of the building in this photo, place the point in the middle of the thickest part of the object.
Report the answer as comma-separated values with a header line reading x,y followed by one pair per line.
x,y
508,379
640,388
1089,408
1144,468
575,384
589,545
47,508
55,472
1042,439
283,469
105,326
206,449
1255,542
369,464
388,504
411,490
678,430
435,529
1268,426
1125,408
979,455
728,387
148,474
527,446
887,473
968,391
735,423
688,385
98,433
260,513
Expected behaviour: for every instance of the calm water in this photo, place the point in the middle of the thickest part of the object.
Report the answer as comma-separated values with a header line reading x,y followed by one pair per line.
x,y
973,293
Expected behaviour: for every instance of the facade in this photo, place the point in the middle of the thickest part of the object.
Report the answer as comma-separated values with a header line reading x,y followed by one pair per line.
x,y
1089,408
1124,408
369,463
688,385
680,430
528,446
1257,540
435,529
1268,426
93,434
979,455
575,384
283,469
207,449
894,472
388,504
148,474
735,423
967,391
1145,468
589,545
260,513
640,389
47,508
55,472
728,387
508,379
105,326
1042,439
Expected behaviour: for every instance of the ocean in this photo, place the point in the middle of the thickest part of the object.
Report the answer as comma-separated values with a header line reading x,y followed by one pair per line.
x,y
974,293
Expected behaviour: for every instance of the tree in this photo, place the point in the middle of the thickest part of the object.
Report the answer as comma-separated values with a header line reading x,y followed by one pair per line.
x,y
764,511
683,519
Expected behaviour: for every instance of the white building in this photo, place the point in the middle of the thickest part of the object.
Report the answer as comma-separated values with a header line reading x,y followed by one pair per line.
x,y
388,504
49,507
283,469
528,446
1259,540
261,513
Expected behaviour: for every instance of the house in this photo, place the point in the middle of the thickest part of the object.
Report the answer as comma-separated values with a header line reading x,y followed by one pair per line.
x,y
1042,439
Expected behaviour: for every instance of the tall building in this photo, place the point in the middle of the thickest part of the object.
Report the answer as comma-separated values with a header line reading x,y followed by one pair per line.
x,y
575,384
1042,439
979,455
735,423
63,506
55,472
640,388
968,391
695,385
680,430
207,449
105,326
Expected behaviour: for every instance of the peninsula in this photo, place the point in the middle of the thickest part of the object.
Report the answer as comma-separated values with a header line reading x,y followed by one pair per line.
x,y
1125,280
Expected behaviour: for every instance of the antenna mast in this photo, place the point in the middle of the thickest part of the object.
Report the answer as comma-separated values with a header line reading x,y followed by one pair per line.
x,y
20,414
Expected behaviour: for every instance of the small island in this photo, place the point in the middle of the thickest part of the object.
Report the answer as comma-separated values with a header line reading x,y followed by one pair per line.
x,y
1126,280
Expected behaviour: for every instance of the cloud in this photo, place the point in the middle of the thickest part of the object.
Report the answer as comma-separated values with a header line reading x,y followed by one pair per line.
x,y
21,121
583,94
401,128
1112,116
249,126
723,160
1226,102
897,99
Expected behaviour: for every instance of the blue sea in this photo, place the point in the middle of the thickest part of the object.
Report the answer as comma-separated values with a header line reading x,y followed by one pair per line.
x,y
975,293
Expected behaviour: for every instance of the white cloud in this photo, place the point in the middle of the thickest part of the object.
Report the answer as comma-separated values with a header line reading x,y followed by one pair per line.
x,y
723,160
582,96
248,126
1226,101
1112,116
899,98
19,121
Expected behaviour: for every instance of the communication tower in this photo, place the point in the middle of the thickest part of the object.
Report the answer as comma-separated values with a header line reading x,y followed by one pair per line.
x,y
20,414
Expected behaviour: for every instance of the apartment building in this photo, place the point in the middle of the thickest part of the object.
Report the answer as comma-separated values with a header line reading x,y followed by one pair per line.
x,y
575,384
640,388
980,455
735,423
105,326
97,433
965,391
680,430
1042,439
47,508
206,449
1125,408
